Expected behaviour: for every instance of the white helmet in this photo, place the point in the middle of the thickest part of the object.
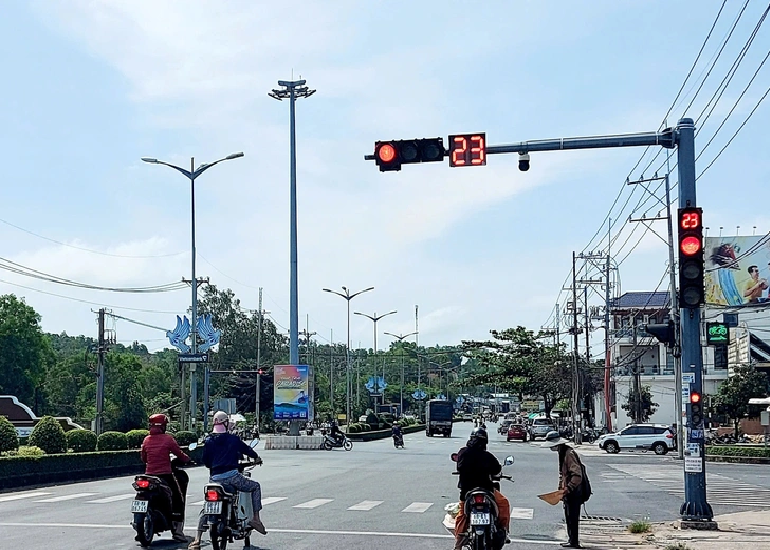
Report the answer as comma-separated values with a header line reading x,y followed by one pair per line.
x,y
221,417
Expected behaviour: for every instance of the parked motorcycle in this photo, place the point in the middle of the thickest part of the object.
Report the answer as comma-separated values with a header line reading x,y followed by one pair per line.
x,y
151,506
330,442
481,510
398,441
228,512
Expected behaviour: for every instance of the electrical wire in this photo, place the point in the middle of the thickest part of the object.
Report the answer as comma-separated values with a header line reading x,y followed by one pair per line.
x,y
134,321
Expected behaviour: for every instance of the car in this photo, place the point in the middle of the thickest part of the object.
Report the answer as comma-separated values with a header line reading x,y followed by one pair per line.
x,y
540,427
646,437
503,427
467,417
517,431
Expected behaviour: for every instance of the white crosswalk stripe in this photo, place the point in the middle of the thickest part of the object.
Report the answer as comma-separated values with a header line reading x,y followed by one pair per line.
x,y
19,496
66,497
522,513
315,503
114,498
272,500
366,505
418,507
720,489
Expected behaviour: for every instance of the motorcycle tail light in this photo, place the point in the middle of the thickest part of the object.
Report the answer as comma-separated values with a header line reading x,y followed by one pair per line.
x,y
142,483
212,495
478,499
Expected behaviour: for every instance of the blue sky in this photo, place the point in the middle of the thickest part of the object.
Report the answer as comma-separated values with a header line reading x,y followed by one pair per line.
x,y
92,86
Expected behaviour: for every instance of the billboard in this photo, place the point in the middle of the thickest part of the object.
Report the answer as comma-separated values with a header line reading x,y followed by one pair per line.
x,y
293,392
737,270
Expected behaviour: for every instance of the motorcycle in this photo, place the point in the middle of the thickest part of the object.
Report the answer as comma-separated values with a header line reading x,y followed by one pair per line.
x,y
330,442
398,441
481,510
228,512
151,506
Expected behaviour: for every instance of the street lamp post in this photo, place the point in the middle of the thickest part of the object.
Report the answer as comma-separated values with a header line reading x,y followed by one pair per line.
x,y
440,369
348,296
292,90
192,174
400,338
374,318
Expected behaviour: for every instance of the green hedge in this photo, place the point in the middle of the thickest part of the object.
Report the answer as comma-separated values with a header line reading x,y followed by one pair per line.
x,y
81,441
737,450
136,437
49,436
112,441
9,441
382,434
185,438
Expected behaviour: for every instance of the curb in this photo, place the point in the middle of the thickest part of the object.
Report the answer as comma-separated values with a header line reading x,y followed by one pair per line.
x,y
738,459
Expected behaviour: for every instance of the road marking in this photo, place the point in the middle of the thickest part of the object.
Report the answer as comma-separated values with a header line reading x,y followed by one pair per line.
x,y
288,531
522,513
271,500
20,496
113,498
66,497
199,503
418,507
315,503
366,505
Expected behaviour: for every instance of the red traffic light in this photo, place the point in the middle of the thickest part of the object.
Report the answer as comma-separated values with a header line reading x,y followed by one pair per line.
x,y
695,398
690,246
386,153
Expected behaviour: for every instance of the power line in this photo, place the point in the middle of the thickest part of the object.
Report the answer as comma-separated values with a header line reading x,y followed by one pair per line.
x,y
134,321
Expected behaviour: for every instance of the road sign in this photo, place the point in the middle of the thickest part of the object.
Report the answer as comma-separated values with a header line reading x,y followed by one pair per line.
x,y
693,464
717,334
688,378
193,358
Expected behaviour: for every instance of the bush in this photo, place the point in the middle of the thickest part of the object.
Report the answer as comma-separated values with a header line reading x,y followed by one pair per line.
x,y
49,436
640,526
9,441
354,429
735,450
81,441
185,438
112,441
136,437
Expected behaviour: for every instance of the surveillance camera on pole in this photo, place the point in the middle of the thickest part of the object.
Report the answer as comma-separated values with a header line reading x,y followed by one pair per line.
x,y
524,161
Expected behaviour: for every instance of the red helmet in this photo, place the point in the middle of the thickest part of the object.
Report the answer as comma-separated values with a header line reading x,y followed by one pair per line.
x,y
159,420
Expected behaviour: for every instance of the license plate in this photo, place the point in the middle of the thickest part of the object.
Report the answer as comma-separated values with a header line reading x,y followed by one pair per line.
x,y
214,508
480,518
139,507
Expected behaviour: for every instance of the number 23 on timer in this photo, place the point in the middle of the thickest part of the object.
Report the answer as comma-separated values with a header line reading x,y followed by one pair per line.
x,y
467,150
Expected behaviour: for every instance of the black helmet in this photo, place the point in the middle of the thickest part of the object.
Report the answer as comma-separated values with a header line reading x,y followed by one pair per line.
x,y
479,436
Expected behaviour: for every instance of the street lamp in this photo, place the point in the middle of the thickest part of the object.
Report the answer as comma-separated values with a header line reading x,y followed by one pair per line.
x,y
348,296
192,174
440,369
400,338
292,90
374,318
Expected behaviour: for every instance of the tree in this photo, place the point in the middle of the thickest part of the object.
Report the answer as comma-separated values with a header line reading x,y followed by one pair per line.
x,y
24,350
745,383
646,408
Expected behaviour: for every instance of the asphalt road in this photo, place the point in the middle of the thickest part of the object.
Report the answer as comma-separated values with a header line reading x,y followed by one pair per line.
x,y
397,498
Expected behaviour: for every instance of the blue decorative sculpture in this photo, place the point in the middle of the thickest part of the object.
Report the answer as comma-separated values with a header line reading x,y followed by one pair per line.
x,y
207,333
178,336
419,394
376,384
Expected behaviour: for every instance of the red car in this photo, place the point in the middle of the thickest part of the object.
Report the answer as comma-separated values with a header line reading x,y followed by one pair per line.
x,y
517,431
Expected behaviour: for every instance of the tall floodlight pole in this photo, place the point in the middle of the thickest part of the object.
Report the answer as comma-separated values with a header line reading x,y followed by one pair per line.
x,y
400,338
292,90
348,296
192,174
374,318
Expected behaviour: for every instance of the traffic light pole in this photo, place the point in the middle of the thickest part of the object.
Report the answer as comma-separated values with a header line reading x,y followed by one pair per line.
x,y
695,507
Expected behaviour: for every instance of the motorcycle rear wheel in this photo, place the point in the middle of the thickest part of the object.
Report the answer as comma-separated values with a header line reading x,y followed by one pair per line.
x,y
327,446
218,536
144,528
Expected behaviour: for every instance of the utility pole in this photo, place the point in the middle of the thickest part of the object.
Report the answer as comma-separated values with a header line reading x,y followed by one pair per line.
x,y
574,350
331,370
100,376
607,358
637,377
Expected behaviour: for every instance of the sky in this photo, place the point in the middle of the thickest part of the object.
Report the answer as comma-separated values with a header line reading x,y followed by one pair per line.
x,y
92,86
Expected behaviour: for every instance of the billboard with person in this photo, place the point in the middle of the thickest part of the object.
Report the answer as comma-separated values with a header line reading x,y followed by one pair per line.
x,y
293,392
737,270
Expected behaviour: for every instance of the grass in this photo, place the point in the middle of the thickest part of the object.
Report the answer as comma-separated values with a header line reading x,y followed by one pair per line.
x,y
677,546
640,526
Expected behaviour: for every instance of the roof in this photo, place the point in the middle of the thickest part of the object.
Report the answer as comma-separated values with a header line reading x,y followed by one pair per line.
x,y
641,300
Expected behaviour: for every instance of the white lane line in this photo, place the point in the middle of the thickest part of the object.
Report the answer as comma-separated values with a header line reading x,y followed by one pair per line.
x,y
199,503
19,496
67,497
271,500
113,498
315,503
418,507
289,531
366,505
522,513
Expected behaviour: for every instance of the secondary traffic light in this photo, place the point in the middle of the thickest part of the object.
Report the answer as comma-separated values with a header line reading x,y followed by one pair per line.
x,y
696,409
390,155
664,332
691,289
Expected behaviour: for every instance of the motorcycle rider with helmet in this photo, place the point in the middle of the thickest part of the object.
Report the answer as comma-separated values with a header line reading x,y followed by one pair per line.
x,y
396,433
156,450
221,453
336,433
476,466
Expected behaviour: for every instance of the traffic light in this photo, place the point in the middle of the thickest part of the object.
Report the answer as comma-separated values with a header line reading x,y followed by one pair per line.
x,y
390,155
696,409
691,289
664,332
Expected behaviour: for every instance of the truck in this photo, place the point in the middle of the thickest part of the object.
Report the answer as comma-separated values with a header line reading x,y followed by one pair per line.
x,y
438,417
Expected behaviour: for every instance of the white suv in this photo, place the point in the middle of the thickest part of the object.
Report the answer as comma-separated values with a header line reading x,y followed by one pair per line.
x,y
654,437
540,428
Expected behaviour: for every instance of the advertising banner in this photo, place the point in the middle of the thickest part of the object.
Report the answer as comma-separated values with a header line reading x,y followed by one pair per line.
x,y
293,392
737,270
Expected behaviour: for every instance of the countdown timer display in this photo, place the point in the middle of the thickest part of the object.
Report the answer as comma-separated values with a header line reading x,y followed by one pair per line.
x,y
467,150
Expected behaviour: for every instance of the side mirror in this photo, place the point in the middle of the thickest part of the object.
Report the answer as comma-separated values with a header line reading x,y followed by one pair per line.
x,y
508,460
453,456
192,446
253,443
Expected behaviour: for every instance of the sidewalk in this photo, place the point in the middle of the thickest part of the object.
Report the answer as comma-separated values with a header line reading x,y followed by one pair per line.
x,y
739,531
